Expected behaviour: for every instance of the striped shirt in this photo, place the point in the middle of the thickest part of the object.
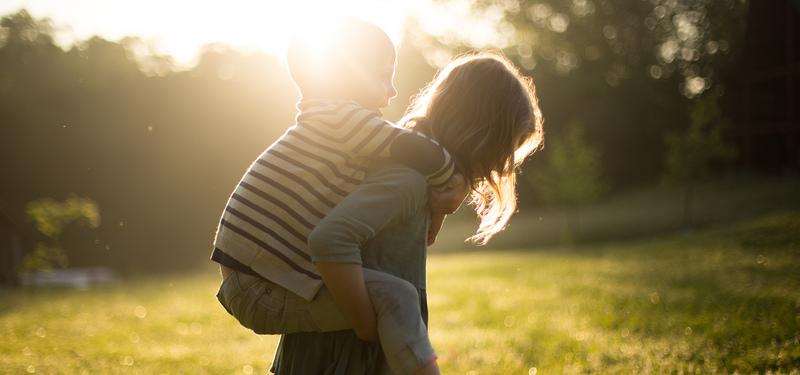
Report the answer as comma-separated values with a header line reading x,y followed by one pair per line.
x,y
302,176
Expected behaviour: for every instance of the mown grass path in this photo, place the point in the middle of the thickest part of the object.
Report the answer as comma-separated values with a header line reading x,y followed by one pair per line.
x,y
720,301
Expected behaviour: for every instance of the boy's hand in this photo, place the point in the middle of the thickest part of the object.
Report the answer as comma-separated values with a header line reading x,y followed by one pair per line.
x,y
444,203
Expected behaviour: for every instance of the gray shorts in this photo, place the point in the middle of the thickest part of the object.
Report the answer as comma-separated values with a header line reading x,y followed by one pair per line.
x,y
267,308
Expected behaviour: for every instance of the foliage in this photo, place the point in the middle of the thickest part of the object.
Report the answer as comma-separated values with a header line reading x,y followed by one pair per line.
x,y
690,153
697,40
50,217
159,150
572,176
722,301
625,67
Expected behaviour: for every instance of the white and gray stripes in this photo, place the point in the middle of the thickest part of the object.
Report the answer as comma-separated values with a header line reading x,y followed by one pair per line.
x,y
294,184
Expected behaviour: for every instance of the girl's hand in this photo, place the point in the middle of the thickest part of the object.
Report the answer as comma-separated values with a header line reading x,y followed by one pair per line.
x,y
348,289
448,201
444,203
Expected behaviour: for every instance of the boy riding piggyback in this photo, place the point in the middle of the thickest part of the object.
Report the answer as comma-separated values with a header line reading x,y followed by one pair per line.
x,y
272,283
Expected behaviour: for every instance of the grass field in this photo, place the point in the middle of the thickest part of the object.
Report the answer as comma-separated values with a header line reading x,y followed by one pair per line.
x,y
723,300
633,213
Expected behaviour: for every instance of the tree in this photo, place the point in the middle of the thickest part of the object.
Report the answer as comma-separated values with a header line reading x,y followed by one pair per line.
x,y
655,39
626,67
50,217
691,152
571,177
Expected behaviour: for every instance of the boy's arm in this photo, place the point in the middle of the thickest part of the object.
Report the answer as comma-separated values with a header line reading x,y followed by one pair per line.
x,y
383,199
424,155
363,132
346,283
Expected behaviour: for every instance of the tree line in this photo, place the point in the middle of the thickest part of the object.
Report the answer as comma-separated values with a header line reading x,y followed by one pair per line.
x,y
160,149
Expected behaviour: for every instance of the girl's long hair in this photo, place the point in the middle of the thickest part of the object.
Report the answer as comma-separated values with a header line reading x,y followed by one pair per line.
x,y
486,114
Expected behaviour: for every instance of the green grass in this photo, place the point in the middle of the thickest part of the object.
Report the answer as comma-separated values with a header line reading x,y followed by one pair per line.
x,y
725,300
169,324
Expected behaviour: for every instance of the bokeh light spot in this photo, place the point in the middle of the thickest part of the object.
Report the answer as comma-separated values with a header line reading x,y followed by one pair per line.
x,y
592,53
559,22
655,71
140,312
610,32
712,47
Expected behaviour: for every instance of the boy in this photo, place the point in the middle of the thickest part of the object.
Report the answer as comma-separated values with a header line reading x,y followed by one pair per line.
x,y
271,285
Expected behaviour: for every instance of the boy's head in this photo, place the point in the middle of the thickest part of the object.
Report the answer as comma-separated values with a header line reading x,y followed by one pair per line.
x,y
344,58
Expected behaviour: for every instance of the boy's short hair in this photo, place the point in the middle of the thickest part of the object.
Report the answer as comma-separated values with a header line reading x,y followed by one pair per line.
x,y
341,49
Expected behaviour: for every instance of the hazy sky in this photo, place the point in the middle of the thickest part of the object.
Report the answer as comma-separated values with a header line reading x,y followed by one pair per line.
x,y
180,27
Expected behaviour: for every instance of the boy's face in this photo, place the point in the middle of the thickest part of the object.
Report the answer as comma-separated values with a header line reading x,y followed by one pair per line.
x,y
378,87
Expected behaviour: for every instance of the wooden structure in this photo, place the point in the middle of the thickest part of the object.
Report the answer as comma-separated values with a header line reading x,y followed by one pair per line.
x,y
764,89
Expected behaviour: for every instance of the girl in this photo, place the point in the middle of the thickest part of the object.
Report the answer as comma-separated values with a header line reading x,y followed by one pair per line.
x,y
486,114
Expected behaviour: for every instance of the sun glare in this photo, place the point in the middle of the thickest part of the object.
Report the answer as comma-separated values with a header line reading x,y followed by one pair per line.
x,y
181,27
265,25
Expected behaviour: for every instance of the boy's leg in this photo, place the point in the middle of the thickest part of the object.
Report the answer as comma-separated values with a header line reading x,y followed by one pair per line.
x,y
267,308
403,335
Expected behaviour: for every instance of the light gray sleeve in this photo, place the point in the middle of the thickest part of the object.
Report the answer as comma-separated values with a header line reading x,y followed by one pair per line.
x,y
388,196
